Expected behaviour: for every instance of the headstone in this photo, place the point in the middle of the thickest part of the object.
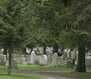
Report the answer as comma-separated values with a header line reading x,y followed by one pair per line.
x,y
69,62
3,60
29,59
54,58
2,50
88,60
49,54
60,59
60,52
28,50
40,49
68,53
43,60
14,63
22,60
32,57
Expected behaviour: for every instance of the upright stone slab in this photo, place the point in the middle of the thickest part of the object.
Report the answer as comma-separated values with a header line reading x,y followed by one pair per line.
x,y
54,58
49,54
60,59
3,60
14,63
43,60
29,59
69,62
88,60
22,60
32,57
67,52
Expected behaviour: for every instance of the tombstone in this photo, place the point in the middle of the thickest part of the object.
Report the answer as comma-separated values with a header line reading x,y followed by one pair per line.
x,y
22,60
68,53
43,60
54,58
2,50
32,57
28,59
88,60
28,50
3,60
39,50
49,54
74,56
69,62
14,63
60,52
60,59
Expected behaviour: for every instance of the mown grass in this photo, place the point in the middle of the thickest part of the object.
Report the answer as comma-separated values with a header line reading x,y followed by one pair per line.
x,y
22,68
45,68
77,75
3,76
4,69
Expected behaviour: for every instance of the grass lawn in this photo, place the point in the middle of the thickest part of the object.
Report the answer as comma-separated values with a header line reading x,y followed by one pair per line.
x,y
40,68
36,68
19,77
24,68
3,70
78,75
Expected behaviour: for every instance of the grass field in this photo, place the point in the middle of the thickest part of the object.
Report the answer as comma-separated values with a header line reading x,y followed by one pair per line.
x,y
45,68
77,75
3,70
19,77
36,68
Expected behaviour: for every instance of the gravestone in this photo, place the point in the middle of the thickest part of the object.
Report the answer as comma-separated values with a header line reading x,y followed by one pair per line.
x,y
3,60
22,60
29,59
43,60
60,59
49,54
28,50
88,60
69,62
14,63
54,58
32,57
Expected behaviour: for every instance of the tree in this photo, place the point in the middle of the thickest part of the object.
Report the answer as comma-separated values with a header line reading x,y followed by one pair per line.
x,y
67,25
13,33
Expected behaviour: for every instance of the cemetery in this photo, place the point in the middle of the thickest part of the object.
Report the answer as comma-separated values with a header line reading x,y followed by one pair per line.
x,y
41,62
45,39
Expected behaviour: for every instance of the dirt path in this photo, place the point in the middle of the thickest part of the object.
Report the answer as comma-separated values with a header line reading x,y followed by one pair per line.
x,y
48,74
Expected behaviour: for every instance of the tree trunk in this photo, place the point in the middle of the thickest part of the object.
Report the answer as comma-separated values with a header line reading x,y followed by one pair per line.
x,y
55,48
10,57
81,67
44,49
5,51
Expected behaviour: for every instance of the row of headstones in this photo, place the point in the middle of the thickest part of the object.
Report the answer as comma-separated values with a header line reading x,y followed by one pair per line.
x,y
3,61
43,59
31,59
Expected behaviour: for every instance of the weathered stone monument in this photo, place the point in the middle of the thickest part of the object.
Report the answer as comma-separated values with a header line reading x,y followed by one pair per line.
x,y
88,60
14,63
43,60
3,60
54,58
69,62
49,54
32,57
22,60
